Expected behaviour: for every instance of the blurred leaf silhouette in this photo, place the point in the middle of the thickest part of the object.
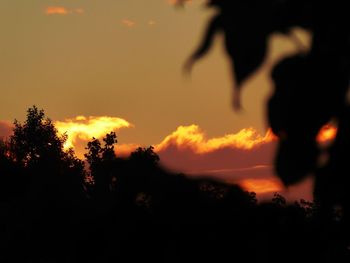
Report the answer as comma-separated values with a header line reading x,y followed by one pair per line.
x,y
310,89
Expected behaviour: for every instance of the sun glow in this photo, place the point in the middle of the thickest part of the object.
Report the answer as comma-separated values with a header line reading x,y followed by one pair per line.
x,y
261,186
327,134
84,128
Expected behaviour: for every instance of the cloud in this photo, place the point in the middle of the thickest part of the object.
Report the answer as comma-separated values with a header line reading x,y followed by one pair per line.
x,y
178,2
262,185
60,10
233,158
128,23
230,157
5,129
192,137
83,128
56,10
151,22
131,23
245,158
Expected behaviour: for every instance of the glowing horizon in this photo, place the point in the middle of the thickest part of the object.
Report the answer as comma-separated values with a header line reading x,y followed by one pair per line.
x,y
190,139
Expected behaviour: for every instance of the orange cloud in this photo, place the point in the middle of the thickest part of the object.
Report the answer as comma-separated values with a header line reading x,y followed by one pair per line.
x,y
128,23
178,2
261,186
60,10
56,10
84,128
194,138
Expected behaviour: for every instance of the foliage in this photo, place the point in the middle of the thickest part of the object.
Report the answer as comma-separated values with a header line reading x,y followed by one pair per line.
x,y
145,156
310,88
36,139
137,211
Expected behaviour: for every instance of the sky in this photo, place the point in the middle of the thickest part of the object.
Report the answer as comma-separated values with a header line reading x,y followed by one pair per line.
x,y
96,66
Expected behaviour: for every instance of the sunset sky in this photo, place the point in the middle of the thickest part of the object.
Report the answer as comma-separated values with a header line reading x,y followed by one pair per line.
x,y
96,66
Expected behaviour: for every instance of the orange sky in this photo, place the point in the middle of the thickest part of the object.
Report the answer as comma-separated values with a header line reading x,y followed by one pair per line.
x,y
123,58
96,66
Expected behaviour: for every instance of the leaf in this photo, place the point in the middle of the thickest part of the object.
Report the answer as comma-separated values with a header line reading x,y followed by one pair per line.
x,y
296,158
213,27
246,50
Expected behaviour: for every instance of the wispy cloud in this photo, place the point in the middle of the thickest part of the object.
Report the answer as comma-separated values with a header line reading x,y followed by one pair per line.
x,y
128,23
61,10
178,2
151,22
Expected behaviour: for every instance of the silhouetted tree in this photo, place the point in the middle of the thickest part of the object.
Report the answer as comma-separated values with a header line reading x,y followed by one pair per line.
x,y
101,160
279,200
36,140
44,186
145,156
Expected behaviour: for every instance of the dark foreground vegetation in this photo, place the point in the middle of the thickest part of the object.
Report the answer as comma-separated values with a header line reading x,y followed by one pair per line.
x,y
132,210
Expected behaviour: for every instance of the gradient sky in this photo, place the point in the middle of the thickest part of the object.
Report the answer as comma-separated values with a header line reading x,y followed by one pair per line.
x,y
123,59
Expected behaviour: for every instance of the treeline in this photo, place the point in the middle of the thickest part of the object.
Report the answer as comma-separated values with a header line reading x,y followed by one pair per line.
x,y
57,208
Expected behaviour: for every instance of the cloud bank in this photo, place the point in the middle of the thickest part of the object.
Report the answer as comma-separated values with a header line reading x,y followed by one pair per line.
x,y
194,138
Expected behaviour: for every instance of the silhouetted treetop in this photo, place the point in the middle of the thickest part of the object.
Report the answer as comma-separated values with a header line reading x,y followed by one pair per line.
x,y
144,156
98,153
36,139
